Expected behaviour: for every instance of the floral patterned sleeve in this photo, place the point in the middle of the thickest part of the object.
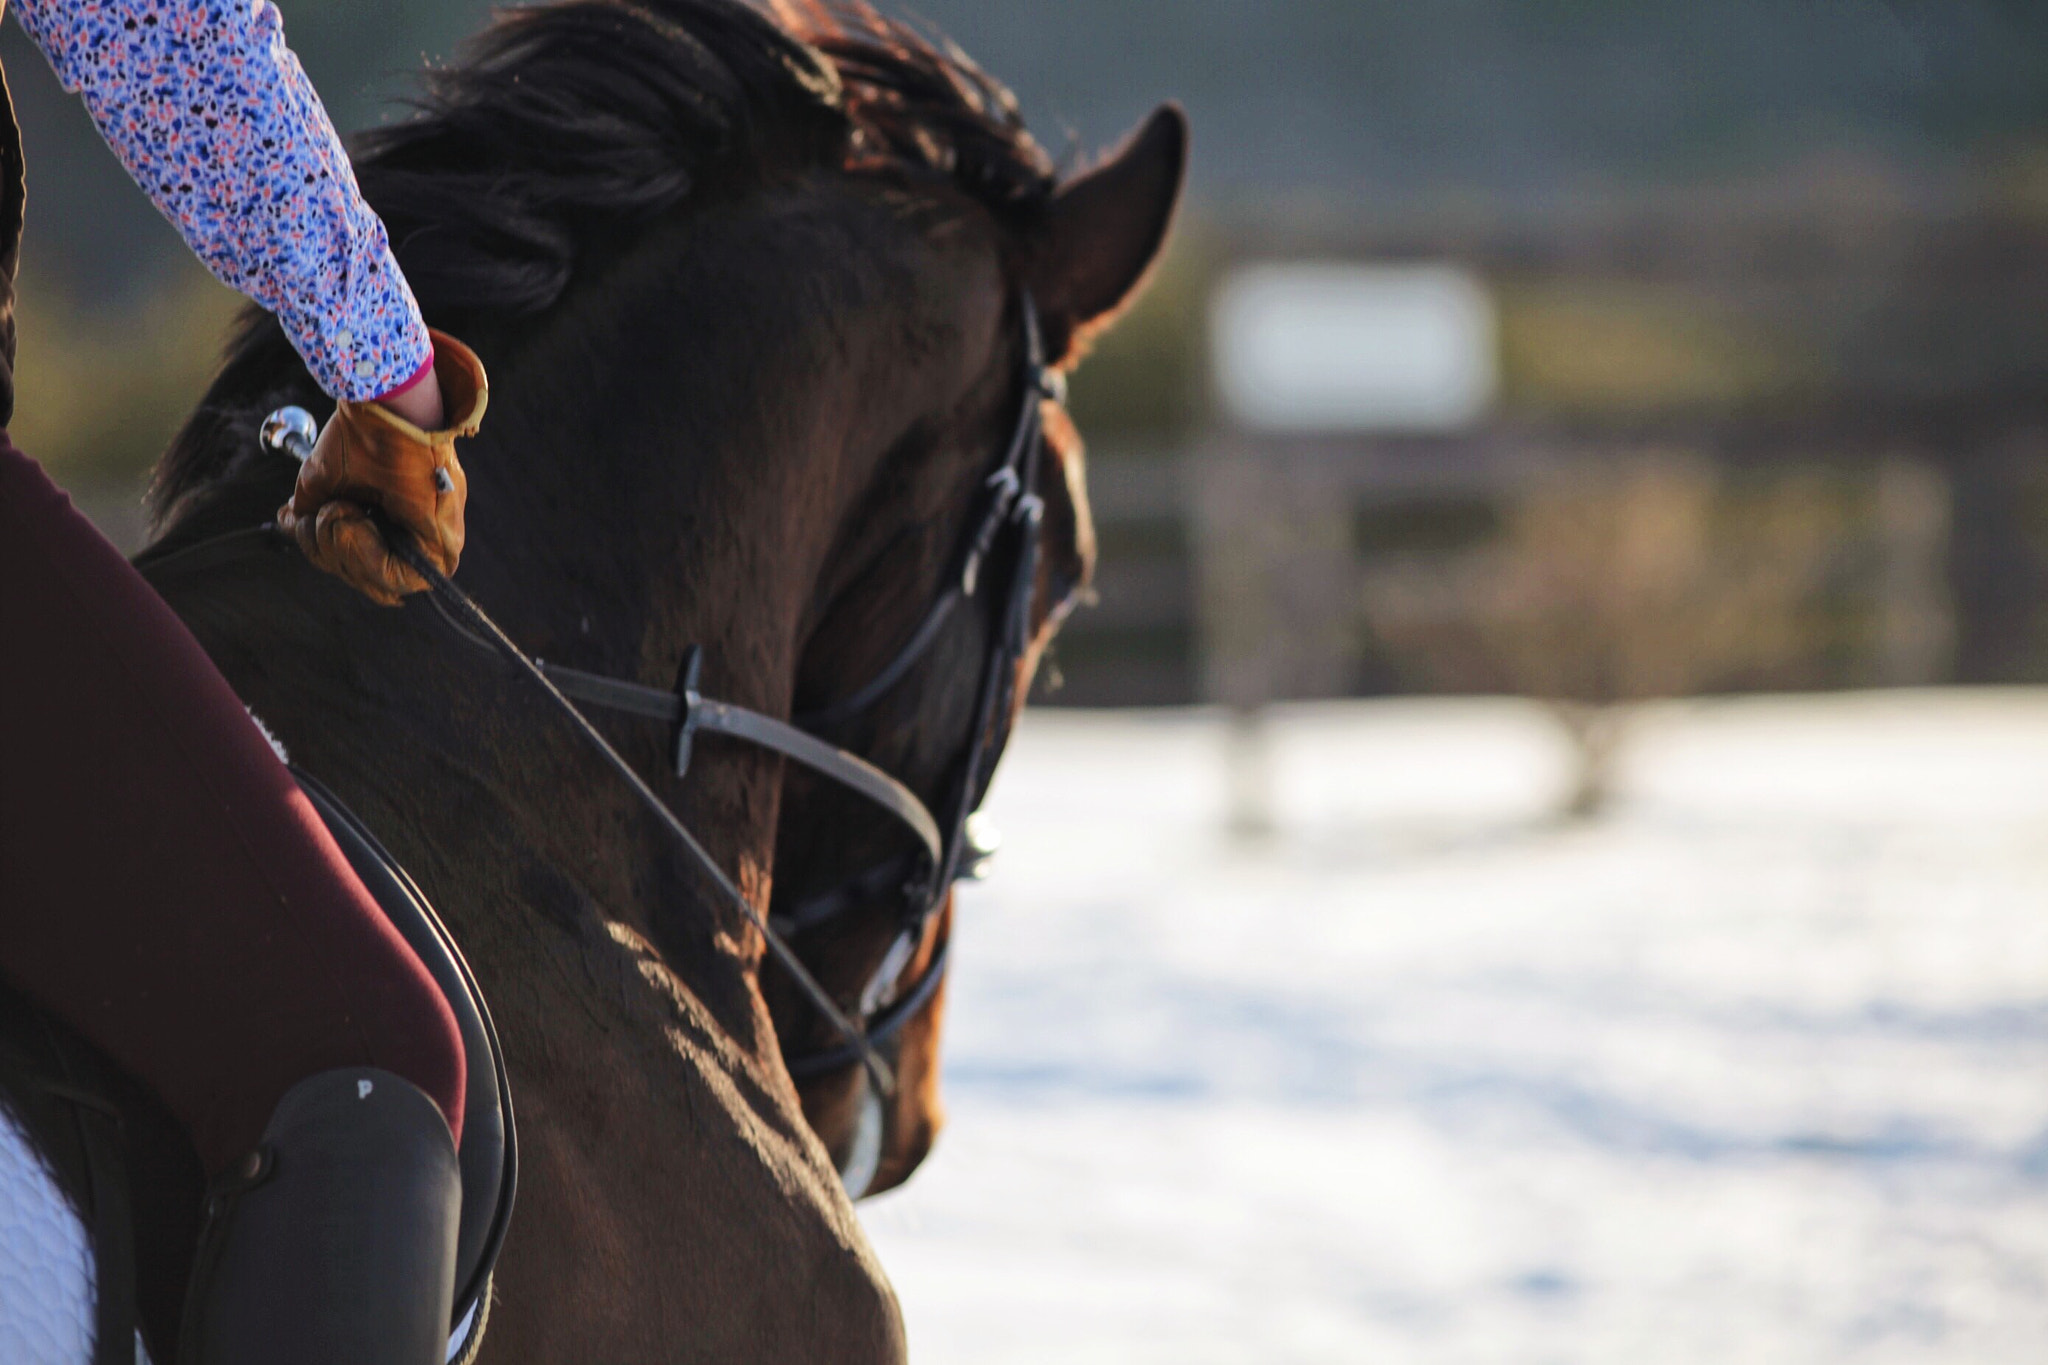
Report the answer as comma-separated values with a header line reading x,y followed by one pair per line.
x,y
213,116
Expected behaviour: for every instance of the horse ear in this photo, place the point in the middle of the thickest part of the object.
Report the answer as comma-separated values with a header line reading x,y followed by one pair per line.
x,y
1105,230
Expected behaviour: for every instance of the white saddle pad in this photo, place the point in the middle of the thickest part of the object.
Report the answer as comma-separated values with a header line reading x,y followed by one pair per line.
x,y
46,1265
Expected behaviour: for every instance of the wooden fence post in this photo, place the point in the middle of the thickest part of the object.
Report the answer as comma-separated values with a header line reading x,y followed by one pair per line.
x,y
1275,598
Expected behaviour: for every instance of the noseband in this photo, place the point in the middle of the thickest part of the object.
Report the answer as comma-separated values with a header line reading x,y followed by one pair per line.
x,y
999,559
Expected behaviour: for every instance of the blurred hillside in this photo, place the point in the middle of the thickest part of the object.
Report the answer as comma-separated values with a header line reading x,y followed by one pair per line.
x,y
1386,103
1382,105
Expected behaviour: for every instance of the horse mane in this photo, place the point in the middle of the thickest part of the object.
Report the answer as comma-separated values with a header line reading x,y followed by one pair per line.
x,y
569,127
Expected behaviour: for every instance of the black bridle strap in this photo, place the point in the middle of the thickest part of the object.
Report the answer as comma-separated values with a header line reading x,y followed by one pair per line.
x,y
846,708
849,770
738,722
893,874
881,1027
1013,507
1010,484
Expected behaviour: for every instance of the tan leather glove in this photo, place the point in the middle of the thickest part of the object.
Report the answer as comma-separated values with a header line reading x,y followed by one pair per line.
x,y
369,456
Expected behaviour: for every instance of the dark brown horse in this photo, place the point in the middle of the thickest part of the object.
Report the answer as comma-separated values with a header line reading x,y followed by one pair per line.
x,y
749,290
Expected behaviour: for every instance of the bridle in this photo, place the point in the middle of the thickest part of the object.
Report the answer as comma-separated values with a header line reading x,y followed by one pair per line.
x,y
1000,558
1000,555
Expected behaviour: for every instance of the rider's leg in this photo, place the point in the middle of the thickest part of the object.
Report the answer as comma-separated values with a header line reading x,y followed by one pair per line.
x,y
167,891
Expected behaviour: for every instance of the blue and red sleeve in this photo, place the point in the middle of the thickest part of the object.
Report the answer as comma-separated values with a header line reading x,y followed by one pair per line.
x,y
214,117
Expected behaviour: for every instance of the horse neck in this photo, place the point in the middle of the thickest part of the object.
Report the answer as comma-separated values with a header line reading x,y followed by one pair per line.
x,y
616,523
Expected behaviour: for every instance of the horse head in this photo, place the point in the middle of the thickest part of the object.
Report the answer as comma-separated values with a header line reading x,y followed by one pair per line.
x,y
1082,261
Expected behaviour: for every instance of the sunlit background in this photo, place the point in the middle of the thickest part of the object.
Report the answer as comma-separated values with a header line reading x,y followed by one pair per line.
x,y
1468,897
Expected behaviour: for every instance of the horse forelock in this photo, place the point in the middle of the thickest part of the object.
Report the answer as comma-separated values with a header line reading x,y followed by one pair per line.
x,y
568,127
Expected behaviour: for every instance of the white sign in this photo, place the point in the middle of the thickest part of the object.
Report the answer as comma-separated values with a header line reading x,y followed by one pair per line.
x,y
1336,346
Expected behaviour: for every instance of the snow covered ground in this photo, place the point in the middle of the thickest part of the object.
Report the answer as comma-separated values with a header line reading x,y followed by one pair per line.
x,y
1754,1069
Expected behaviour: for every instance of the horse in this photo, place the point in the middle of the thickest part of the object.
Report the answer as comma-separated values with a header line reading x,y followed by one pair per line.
x,y
755,290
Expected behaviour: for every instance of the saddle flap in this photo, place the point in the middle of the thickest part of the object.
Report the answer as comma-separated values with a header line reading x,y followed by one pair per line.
x,y
488,1155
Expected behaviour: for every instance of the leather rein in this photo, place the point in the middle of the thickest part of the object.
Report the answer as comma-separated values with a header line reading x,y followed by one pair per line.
x,y
1001,554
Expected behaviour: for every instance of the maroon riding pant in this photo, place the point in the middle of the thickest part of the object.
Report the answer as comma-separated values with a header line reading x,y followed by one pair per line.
x,y
165,889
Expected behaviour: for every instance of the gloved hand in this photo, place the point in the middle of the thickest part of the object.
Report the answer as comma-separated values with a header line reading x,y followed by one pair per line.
x,y
368,456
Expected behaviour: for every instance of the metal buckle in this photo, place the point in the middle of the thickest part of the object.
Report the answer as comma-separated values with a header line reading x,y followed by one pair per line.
x,y
1006,484
980,841
687,678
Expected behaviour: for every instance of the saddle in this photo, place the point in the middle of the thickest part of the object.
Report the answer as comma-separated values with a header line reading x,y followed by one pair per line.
x,y
489,1155
131,1178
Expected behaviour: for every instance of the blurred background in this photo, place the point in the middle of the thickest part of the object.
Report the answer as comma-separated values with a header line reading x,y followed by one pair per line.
x,y
1461,286
1473,900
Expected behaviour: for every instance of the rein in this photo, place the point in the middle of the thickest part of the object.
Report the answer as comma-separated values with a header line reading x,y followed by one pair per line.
x,y
1009,527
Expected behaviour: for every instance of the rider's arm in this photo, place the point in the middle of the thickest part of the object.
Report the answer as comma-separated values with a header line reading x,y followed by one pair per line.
x,y
213,116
